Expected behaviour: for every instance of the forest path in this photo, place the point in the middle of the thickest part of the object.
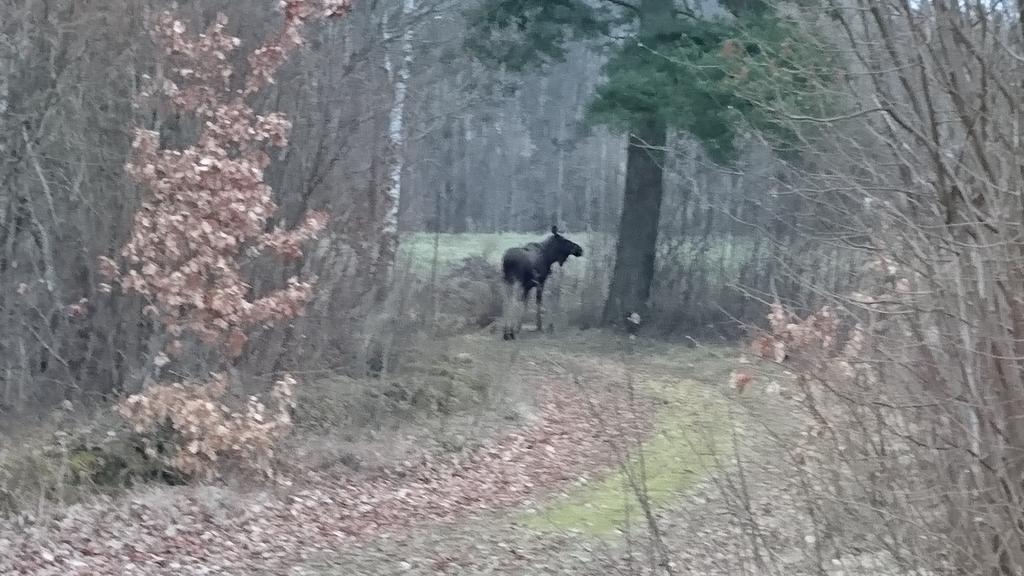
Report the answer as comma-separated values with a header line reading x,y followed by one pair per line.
x,y
545,498
676,428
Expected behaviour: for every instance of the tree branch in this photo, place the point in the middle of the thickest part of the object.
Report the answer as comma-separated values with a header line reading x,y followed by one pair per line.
x,y
624,4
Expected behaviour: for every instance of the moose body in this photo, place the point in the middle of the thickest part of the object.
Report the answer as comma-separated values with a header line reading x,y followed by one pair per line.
x,y
527,268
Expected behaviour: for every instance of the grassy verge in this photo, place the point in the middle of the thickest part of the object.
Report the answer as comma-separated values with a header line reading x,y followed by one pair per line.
x,y
692,429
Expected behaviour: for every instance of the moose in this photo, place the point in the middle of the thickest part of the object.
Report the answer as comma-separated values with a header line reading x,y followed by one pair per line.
x,y
529,266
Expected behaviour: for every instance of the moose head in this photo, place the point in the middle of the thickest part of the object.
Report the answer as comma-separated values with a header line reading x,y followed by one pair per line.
x,y
560,248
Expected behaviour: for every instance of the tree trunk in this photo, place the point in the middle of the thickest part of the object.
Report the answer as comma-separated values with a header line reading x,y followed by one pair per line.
x,y
638,226
463,170
399,72
641,203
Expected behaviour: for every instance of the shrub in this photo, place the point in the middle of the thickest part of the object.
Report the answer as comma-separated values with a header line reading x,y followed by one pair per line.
x,y
204,432
208,211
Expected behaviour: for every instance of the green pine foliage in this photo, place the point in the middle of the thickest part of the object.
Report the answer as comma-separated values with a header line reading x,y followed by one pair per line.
x,y
516,34
714,79
678,79
717,80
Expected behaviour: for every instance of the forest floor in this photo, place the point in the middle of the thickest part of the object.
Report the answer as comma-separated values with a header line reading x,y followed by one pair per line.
x,y
554,493
713,474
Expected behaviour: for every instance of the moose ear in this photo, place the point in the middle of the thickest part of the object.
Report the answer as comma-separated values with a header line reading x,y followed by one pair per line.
x,y
554,230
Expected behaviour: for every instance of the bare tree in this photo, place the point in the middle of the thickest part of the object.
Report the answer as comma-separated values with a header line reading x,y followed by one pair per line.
x,y
910,378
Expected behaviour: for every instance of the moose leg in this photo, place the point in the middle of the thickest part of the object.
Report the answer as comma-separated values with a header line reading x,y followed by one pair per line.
x,y
525,302
507,309
540,306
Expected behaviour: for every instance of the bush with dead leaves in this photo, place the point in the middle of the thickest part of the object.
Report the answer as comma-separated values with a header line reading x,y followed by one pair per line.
x,y
206,213
206,433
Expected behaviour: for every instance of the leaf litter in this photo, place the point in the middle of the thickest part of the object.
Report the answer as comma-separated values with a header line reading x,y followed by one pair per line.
x,y
182,531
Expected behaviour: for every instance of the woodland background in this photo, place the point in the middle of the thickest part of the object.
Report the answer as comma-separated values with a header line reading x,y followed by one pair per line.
x,y
837,183
480,152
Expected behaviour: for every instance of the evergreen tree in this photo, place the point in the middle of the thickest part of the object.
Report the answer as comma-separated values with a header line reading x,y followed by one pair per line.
x,y
671,71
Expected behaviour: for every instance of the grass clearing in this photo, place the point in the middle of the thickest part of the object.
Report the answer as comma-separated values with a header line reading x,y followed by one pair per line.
x,y
418,247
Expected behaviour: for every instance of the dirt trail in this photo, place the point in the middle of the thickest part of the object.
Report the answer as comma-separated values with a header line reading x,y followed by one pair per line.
x,y
468,514
592,526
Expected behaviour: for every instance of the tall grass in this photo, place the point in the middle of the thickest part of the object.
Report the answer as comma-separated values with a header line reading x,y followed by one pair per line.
x,y
695,282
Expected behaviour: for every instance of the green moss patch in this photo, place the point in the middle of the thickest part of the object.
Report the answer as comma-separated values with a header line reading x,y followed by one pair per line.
x,y
691,431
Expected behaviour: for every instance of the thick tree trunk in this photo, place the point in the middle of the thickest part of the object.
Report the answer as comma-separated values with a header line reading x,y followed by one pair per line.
x,y
641,203
638,227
